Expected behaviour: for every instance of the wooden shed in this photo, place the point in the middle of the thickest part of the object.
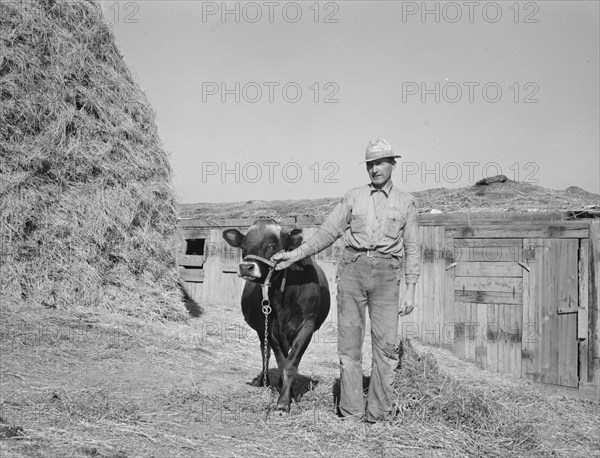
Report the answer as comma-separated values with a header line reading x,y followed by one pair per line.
x,y
514,292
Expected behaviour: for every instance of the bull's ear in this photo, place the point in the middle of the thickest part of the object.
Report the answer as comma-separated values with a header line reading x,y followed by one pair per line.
x,y
233,237
292,239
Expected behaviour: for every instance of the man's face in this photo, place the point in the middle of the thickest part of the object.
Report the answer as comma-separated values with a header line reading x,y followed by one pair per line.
x,y
380,171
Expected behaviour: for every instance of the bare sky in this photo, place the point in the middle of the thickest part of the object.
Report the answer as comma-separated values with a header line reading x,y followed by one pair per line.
x,y
278,100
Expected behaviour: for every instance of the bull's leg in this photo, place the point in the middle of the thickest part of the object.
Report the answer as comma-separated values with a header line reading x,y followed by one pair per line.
x,y
259,380
280,354
290,368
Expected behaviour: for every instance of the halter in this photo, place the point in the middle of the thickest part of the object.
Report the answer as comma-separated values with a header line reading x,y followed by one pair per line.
x,y
266,305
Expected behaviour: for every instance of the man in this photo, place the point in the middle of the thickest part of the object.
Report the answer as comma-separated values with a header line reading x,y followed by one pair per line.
x,y
378,223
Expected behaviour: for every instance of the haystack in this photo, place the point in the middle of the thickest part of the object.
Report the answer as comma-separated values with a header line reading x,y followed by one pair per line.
x,y
87,212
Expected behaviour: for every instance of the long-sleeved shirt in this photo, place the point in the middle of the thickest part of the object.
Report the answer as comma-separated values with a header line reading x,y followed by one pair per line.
x,y
371,219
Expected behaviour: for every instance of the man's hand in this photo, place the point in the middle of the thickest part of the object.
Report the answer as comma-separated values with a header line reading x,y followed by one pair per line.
x,y
284,259
407,304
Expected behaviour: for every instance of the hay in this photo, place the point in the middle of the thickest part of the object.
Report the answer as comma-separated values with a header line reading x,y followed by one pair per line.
x,y
88,213
117,384
484,424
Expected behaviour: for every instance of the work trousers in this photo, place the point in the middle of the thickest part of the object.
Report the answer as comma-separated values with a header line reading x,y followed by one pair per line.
x,y
374,283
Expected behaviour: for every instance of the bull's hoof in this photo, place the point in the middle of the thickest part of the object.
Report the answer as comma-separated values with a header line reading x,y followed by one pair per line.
x,y
283,407
259,381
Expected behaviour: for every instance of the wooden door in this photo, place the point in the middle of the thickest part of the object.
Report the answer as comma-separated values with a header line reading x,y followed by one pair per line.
x,y
488,297
550,304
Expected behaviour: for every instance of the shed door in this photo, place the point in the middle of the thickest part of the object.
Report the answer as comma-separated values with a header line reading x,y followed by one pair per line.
x,y
488,301
550,301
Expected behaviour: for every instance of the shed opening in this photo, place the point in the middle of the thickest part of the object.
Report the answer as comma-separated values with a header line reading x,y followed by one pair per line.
x,y
195,247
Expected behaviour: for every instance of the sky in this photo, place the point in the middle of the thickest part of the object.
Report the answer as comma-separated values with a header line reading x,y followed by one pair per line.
x,y
278,100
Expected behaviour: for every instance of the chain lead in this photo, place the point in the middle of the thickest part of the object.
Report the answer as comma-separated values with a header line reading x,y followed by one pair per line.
x,y
266,309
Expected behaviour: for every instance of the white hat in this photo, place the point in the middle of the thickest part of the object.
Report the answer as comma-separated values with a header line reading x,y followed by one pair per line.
x,y
378,149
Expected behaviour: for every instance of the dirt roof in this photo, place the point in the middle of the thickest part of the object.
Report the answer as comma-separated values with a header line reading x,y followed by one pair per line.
x,y
507,196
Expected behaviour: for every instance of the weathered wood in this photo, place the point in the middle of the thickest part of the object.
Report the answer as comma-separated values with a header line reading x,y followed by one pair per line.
x,y
429,334
515,339
434,219
195,233
488,269
489,284
191,275
562,229
487,254
567,324
308,221
594,304
583,315
481,342
554,286
438,279
231,258
426,219
488,297
198,223
450,336
476,238
471,325
488,242
458,348
492,335
189,260
194,290
531,334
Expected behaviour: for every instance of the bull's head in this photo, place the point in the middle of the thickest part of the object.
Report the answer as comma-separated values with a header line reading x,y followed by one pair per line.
x,y
263,240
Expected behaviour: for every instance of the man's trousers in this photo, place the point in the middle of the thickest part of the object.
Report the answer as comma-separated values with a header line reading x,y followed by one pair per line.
x,y
373,283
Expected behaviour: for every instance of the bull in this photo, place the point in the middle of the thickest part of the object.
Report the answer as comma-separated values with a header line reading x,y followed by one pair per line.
x,y
297,300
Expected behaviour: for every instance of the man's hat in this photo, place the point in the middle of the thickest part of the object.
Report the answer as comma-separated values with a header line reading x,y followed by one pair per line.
x,y
378,149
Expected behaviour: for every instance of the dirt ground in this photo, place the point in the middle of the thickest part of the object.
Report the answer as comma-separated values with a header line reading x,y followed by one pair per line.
x,y
89,384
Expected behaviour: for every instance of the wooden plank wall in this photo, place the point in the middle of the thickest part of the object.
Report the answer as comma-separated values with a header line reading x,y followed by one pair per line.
x,y
426,323
501,336
594,304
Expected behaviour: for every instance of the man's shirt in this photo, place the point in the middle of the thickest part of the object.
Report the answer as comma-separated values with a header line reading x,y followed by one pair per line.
x,y
370,219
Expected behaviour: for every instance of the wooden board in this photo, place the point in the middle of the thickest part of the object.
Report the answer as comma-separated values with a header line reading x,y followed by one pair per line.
x,y
192,275
459,318
438,263
481,342
440,219
425,219
471,325
231,258
515,334
489,284
492,334
488,297
189,260
488,269
551,356
488,242
583,315
562,229
594,305
449,336
487,254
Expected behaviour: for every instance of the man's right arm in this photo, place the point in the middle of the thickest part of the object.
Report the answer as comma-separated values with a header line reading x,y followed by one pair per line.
x,y
332,228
